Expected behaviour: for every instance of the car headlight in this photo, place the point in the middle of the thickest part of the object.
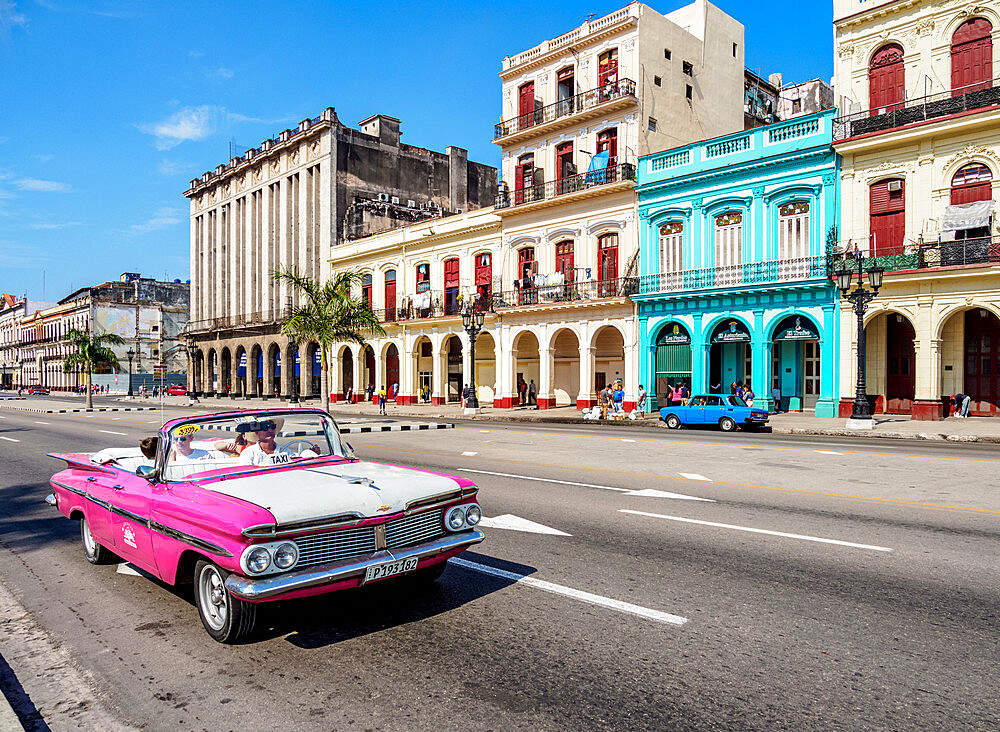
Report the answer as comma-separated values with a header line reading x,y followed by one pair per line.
x,y
455,518
286,555
473,514
258,560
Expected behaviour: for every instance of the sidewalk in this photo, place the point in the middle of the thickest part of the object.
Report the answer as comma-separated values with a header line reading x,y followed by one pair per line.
x,y
898,426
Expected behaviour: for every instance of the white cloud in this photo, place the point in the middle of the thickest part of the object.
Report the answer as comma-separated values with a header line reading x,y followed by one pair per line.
x,y
220,73
43,158
56,224
10,18
195,123
163,218
171,168
47,186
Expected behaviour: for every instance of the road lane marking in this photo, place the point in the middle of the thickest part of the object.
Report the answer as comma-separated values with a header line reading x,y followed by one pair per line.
x,y
542,480
469,454
627,440
37,422
653,493
9,439
109,432
625,607
735,484
694,476
758,531
828,452
516,523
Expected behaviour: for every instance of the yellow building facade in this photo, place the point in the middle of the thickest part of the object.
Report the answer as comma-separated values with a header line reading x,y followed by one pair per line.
x,y
919,139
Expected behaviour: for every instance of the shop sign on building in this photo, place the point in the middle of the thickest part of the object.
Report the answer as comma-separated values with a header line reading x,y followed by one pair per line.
x,y
735,332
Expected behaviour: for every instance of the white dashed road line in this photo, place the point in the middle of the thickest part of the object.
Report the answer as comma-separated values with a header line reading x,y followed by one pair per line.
x,y
695,476
109,432
757,531
9,439
37,422
542,480
469,454
827,452
624,439
625,607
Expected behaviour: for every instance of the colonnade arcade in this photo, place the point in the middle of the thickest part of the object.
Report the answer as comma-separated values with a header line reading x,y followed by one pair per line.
x,y
256,369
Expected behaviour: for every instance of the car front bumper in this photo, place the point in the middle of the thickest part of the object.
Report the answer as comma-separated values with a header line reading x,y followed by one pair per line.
x,y
261,588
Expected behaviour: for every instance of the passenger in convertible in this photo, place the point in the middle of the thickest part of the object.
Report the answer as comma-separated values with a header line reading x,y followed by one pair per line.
x,y
184,451
263,449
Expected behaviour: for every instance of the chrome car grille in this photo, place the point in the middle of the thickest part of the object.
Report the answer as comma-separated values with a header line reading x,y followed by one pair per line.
x,y
344,543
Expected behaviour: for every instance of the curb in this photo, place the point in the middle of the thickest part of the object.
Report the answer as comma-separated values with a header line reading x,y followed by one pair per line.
x,y
397,428
95,409
9,721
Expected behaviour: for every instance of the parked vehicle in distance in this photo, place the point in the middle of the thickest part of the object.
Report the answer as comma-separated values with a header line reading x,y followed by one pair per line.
x,y
176,390
727,411
262,506
37,390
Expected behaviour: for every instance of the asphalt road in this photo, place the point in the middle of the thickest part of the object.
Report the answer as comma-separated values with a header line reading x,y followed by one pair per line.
x,y
821,583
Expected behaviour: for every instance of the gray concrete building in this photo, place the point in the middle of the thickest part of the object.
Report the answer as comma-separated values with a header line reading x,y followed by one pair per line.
x,y
288,203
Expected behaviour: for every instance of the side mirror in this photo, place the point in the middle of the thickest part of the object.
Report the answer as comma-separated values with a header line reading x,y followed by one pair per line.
x,y
146,471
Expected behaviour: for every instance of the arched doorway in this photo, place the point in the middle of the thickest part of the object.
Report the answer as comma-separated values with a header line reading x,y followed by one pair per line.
x,y
274,388
240,384
485,368
566,387
526,365
982,362
316,372
257,361
890,357
671,364
227,371
213,372
730,358
423,370
609,358
392,371
295,356
347,374
455,383
368,373
971,56
795,364
886,80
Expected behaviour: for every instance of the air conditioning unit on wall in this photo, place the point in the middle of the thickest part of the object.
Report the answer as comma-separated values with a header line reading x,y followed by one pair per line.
x,y
895,186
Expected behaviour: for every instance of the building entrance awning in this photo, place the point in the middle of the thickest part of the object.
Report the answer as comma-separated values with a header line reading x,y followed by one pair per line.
x,y
961,216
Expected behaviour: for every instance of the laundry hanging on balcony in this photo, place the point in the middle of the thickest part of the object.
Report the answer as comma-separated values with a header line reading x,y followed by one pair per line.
x,y
961,216
597,172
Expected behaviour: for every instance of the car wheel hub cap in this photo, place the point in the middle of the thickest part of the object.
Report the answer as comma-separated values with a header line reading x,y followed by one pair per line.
x,y
214,599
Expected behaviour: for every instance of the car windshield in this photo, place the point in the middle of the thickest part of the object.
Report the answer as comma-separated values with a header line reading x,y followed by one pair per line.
x,y
243,442
737,401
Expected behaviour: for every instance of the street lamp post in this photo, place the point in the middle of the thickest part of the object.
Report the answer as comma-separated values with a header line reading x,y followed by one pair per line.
x,y
859,298
472,321
131,354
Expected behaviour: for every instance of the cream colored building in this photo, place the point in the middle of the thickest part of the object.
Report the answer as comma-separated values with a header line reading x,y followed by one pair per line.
x,y
920,146
577,111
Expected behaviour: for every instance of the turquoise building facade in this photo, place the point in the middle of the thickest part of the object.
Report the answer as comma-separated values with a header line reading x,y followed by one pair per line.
x,y
735,239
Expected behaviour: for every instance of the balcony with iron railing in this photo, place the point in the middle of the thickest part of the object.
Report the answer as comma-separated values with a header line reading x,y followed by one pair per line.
x,y
573,187
980,250
955,102
566,111
567,292
229,322
736,275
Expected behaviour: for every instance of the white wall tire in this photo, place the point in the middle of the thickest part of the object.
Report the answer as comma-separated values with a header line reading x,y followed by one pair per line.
x,y
94,552
226,618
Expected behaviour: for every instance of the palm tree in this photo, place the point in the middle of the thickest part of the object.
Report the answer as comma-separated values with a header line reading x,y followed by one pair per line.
x,y
92,352
329,314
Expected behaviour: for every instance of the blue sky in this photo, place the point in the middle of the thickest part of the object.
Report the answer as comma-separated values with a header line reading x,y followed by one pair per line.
x,y
108,109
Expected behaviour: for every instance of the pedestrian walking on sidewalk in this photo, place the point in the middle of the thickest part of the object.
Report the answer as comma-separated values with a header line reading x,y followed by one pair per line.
x,y
381,400
532,391
640,402
776,397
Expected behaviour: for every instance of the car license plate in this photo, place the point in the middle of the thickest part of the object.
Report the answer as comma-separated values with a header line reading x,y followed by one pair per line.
x,y
378,571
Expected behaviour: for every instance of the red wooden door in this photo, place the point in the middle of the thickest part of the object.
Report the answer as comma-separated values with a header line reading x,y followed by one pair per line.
x,y
526,104
887,223
886,80
971,56
484,280
608,67
523,178
607,263
982,362
564,259
525,269
901,361
391,370
451,271
608,140
390,295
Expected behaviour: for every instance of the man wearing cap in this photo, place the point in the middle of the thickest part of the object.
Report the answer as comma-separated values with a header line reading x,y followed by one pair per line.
x,y
263,449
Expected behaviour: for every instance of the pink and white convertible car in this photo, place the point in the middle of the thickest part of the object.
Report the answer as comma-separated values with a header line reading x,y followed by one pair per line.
x,y
261,506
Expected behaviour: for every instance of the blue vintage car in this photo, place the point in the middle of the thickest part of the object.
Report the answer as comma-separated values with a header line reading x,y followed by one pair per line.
x,y
728,411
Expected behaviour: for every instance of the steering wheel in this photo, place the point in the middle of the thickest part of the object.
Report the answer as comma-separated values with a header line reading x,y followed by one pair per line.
x,y
307,446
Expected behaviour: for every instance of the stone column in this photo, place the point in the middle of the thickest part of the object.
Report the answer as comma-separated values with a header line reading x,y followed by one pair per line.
x,y
439,379
268,380
927,403
546,362
628,377
585,398
359,382
502,394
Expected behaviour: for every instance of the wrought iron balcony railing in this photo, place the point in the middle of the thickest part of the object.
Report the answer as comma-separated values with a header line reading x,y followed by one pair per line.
x,y
566,186
567,292
736,275
566,107
933,106
932,255
236,321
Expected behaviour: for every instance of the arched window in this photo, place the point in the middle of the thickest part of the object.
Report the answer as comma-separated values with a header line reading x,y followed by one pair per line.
x,y
423,277
524,176
390,294
607,68
971,56
972,183
671,247
565,90
564,258
451,280
607,264
887,219
729,239
793,231
526,268
484,279
886,82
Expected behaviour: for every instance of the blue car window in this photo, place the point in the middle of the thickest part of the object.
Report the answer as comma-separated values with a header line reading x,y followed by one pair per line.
x,y
713,401
737,401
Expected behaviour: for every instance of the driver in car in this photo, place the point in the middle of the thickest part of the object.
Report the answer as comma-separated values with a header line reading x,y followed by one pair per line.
x,y
263,449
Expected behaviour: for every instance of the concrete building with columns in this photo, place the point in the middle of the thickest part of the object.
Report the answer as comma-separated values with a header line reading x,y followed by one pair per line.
x,y
289,203
919,135
577,111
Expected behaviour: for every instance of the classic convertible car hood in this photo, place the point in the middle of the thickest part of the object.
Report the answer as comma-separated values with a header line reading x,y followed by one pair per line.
x,y
372,489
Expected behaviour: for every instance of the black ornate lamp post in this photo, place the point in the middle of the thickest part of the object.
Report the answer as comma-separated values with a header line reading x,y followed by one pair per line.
x,y
859,298
131,354
472,321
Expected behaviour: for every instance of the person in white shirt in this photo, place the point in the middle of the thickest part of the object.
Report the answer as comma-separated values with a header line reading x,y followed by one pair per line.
x,y
264,450
184,451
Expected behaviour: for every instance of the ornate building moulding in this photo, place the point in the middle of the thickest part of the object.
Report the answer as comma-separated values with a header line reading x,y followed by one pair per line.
x,y
605,224
972,151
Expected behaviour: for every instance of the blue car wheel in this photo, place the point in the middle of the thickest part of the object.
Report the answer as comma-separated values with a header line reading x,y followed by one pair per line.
x,y
673,421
